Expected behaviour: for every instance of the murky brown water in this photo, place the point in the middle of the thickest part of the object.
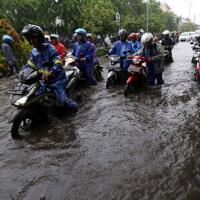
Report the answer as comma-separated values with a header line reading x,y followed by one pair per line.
x,y
143,147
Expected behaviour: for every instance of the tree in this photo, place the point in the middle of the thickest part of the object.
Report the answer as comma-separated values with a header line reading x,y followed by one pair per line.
x,y
189,26
99,17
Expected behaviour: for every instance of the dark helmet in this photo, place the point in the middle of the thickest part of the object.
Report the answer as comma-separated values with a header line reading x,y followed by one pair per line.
x,y
33,31
123,32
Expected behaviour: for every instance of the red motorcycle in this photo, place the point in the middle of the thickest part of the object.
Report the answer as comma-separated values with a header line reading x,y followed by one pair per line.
x,y
136,74
197,68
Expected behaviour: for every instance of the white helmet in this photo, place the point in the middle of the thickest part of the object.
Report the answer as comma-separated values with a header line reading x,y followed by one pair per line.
x,y
166,32
47,38
147,37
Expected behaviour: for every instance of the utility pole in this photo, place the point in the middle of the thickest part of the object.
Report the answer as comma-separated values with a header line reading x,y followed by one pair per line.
x,y
118,20
190,4
147,15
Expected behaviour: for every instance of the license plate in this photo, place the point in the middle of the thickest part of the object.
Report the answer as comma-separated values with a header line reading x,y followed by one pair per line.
x,y
135,69
18,90
115,67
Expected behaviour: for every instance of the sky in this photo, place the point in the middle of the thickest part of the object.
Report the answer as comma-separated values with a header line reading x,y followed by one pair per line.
x,y
185,8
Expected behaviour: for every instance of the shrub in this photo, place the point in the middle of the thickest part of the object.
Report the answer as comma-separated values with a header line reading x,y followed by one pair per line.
x,y
102,51
21,47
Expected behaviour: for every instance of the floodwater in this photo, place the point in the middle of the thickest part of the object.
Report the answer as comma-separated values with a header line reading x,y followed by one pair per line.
x,y
146,146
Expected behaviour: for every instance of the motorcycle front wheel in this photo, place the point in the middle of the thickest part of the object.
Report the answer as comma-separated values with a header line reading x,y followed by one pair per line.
x,y
127,90
20,126
109,82
97,72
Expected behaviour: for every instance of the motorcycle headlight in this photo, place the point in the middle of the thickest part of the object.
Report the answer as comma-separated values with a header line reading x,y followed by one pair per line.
x,y
114,58
136,61
21,101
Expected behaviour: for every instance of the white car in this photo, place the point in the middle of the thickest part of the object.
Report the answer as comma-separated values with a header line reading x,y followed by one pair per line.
x,y
185,36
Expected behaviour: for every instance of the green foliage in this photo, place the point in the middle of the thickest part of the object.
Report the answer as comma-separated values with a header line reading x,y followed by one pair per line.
x,y
20,46
102,51
98,16
189,26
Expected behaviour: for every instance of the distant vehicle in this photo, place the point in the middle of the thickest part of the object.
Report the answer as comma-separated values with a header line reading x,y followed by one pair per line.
x,y
193,35
185,36
197,32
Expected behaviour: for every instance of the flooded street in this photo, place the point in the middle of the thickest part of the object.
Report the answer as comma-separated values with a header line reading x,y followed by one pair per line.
x,y
146,146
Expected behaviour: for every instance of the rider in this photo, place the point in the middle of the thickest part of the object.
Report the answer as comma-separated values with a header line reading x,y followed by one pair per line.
x,y
167,43
122,48
154,55
135,43
91,40
197,42
85,53
59,46
53,76
9,55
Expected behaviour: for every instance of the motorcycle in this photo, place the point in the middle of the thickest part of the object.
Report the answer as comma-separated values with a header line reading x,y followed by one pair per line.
x,y
195,56
197,68
115,72
32,109
71,60
137,74
97,70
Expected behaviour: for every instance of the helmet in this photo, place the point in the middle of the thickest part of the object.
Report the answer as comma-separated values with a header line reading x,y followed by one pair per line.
x,y
166,32
89,35
47,38
132,36
81,31
54,36
123,32
7,39
34,31
141,31
146,38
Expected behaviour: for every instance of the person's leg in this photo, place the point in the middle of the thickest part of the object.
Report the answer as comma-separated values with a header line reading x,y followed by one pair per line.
x,y
126,64
89,75
159,79
10,70
59,89
16,68
151,75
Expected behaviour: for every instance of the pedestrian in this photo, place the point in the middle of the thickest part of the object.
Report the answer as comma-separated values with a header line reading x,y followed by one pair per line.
x,y
6,47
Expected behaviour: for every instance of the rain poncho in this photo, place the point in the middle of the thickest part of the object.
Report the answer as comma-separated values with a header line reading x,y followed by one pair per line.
x,y
57,80
85,50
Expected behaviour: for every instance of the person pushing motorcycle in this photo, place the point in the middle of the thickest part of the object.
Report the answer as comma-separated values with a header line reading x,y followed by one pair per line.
x,y
45,59
154,54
